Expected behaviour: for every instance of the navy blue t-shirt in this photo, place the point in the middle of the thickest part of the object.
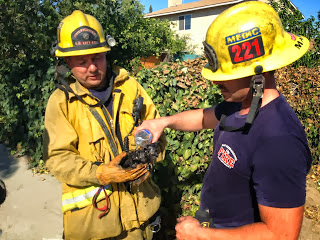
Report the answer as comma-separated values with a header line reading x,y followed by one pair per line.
x,y
267,166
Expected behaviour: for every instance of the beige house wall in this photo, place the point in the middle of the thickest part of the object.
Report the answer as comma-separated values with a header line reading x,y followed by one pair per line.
x,y
174,3
200,22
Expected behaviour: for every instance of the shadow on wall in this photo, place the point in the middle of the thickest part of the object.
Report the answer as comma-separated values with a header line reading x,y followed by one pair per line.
x,y
8,165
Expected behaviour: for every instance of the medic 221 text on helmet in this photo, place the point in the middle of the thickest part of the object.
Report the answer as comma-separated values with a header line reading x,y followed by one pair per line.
x,y
248,35
81,34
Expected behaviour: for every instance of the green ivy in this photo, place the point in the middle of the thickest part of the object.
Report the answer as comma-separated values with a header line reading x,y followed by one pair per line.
x,y
301,87
26,75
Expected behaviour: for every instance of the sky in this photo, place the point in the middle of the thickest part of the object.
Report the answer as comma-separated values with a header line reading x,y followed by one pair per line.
x,y
307,7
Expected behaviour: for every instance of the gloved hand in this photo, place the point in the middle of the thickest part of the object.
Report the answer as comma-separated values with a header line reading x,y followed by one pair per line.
x,y
114,173
141,179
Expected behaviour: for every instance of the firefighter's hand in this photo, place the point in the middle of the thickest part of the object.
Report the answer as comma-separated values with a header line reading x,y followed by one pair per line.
x,y
156,126
114,173
140,180
187,228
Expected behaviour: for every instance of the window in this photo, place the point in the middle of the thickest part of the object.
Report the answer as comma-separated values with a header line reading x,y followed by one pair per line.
x,y
185,22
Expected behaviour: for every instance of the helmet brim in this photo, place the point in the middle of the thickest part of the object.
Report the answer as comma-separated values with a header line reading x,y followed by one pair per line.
x,y
59,53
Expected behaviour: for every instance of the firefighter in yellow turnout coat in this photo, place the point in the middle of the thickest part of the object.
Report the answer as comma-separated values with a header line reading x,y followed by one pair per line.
x,y
82,147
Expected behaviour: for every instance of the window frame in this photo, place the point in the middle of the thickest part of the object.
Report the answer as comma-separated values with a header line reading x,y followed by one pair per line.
x,y
183,18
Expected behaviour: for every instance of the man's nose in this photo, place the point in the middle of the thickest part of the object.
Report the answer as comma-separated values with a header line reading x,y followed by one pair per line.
x,y
93,67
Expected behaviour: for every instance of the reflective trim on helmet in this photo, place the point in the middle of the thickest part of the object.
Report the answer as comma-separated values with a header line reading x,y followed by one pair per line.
x,y
82,47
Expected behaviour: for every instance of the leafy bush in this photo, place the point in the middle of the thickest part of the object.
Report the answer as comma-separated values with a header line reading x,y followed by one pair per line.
x,y
26,75
301,87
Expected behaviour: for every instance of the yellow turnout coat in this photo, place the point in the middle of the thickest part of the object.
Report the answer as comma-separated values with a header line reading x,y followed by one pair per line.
x,y
74,141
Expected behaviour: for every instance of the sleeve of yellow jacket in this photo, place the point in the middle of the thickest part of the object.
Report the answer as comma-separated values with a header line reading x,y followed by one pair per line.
x,y
60,146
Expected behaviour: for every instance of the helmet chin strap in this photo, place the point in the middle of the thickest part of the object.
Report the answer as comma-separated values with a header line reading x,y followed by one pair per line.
x,y
257,89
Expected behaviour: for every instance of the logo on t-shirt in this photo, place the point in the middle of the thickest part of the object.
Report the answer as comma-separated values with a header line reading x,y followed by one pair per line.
x,y
227,156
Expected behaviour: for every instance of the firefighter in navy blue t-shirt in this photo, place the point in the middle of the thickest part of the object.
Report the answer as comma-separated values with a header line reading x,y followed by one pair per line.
x,y
255,185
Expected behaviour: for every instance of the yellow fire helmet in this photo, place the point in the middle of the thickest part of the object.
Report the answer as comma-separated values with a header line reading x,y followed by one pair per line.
x,y
246,39
80,34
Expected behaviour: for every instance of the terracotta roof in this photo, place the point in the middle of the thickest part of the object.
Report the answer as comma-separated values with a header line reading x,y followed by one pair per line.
x,y
191,7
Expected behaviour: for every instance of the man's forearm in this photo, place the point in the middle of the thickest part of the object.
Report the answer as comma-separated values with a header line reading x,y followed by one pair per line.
x,y
255,231
193,120
189,121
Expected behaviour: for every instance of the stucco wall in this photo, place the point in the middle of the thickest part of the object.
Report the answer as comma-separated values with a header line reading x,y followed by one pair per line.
x,y
200,22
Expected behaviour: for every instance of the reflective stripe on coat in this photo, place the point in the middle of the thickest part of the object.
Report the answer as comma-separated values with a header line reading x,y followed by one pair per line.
x,y
83,197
